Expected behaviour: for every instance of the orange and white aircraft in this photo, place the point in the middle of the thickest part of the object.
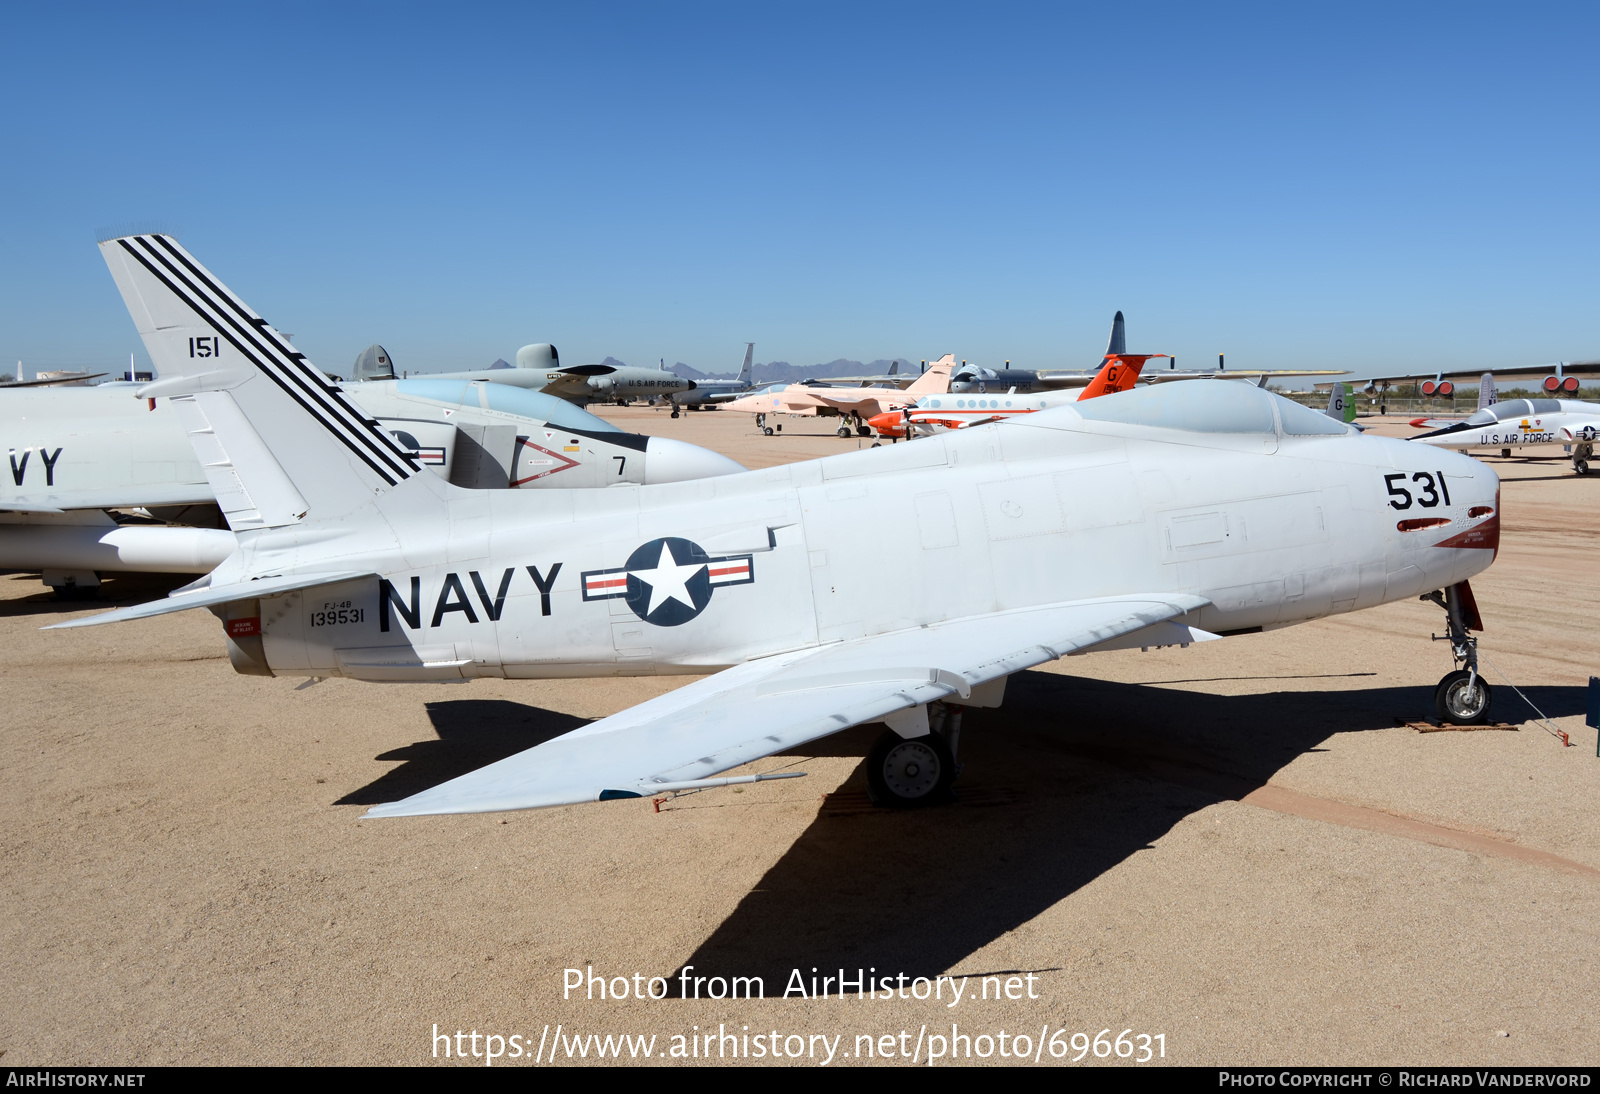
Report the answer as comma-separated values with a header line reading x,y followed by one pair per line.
x,y
941,412
857,404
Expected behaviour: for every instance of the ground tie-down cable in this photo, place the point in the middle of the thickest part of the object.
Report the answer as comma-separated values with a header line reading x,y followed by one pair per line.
x,y
1543,719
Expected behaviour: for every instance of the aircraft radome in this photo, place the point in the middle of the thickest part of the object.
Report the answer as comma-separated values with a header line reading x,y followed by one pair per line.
x,y
75,452
1154,517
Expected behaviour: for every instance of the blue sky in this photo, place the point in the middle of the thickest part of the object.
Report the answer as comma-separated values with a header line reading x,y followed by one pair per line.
x,y
1312,186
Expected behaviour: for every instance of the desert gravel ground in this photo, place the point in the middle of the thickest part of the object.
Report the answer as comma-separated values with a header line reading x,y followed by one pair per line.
x,y
1234,846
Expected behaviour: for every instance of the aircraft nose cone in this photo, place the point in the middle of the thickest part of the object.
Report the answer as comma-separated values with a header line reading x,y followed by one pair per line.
x,y
887,423
667,460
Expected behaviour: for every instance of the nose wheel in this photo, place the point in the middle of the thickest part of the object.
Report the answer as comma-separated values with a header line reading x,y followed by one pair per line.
x,y
1463,698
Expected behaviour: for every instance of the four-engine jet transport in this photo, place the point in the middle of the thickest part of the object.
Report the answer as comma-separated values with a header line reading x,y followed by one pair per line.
x,y
1148,517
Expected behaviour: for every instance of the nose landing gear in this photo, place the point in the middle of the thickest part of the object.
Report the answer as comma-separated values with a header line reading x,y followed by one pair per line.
x,y
1463,697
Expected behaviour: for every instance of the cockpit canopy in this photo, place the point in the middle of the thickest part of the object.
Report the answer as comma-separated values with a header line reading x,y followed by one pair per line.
x,y
1210,406
1514,408
508,400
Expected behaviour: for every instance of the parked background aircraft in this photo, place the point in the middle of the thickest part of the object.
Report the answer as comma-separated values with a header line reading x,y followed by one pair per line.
x,y
76,452
1488,395
1520,423
938,413
539,368
715,391
857,404
1207,510
54,379
971,378
1561,378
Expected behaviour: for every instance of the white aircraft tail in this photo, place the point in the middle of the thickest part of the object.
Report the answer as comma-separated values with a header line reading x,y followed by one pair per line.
x,y
1487,395
276,436
936,380
744,369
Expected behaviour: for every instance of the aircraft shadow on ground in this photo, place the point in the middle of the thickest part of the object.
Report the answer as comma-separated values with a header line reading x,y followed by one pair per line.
x,y
115,591
1099,771
472,734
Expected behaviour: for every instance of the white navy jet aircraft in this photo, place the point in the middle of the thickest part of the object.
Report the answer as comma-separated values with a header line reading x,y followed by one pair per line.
x,y
75,452
1150,517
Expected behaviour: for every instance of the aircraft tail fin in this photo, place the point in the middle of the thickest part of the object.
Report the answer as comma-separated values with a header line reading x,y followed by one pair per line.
x,y
540,355
1119,373
1487,395
276,435
744,369
1117,344
1341,407
936,380
373,364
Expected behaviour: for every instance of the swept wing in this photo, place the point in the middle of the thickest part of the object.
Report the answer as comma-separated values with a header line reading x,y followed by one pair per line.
x,y
767,705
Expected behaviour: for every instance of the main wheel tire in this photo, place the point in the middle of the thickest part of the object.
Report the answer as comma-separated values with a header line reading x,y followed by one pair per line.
x,y
767,429
909,774
1581,466
863,431
674,413
1460,705
844,431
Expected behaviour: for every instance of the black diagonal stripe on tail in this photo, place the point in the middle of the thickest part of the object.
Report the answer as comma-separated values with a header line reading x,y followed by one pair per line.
x,y
312,385
353,437
284,356
245,351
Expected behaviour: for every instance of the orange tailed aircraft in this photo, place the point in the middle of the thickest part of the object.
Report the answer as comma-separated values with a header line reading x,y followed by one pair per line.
x,y
935,413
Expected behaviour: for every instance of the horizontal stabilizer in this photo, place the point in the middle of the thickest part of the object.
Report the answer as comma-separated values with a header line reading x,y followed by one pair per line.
x,y
215,594
776,703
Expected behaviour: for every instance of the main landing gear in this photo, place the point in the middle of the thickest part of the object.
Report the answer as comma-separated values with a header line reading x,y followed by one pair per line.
x,y
1463,697
911,772
854,423
1581,455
